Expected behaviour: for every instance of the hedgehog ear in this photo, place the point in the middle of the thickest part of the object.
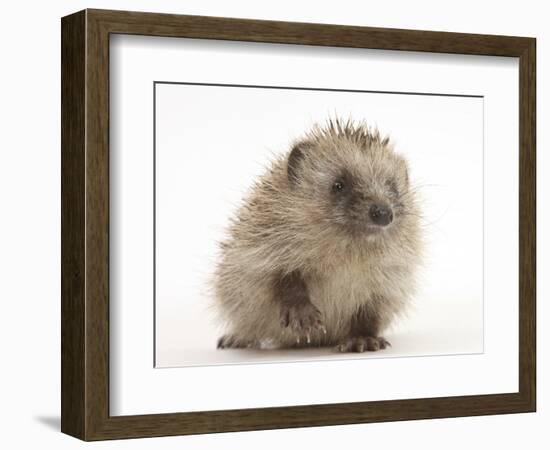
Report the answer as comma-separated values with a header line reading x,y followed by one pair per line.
x,y
295,159
406,174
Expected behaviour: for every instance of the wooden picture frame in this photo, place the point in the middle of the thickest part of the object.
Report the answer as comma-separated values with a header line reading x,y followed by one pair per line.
x,y
85,224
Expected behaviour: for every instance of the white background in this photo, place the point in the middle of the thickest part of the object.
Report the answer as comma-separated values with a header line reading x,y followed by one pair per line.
x,y
30,242
201,180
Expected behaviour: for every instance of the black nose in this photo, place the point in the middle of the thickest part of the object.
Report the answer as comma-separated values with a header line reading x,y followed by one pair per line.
x,y
380,215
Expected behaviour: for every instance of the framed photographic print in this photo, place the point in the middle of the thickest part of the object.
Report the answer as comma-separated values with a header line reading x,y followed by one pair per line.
x,y
272,224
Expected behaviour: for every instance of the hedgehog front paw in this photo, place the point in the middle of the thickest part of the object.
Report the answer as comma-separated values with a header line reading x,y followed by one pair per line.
x,y
302,320
363,344
232,341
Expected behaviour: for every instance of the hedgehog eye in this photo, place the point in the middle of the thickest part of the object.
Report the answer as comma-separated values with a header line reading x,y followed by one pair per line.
x,y
392,186
338,186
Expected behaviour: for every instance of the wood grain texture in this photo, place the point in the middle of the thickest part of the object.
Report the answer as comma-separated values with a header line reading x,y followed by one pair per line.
x,y
152,24
527,224
73,319
85,224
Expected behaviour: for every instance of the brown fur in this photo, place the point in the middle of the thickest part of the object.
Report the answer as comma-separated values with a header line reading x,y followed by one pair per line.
x,y
303,264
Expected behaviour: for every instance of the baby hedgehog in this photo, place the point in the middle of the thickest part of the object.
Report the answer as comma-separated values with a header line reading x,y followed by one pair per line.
x,y
324,248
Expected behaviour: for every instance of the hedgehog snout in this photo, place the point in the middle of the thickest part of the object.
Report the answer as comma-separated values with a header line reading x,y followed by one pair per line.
x,y
380,214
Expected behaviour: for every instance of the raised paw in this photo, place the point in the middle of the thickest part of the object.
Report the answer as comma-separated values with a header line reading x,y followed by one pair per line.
x,y
302,320
363,344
